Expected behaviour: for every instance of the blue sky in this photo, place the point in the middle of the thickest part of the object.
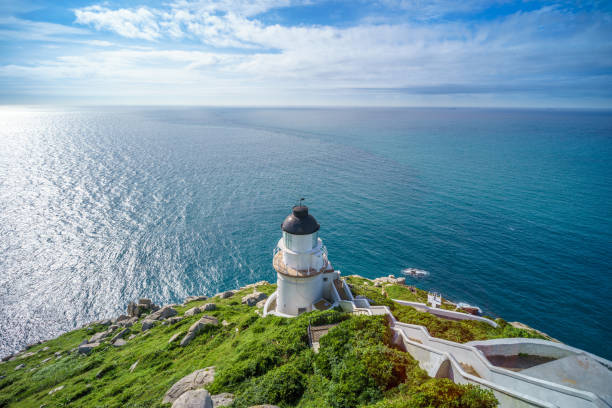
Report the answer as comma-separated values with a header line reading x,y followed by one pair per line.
x,y
307,52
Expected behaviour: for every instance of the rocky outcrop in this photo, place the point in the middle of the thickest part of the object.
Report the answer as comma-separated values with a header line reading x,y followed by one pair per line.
x,y
163,313
193,311
173,320
99,336
119,335
87,348
197,327
147,324
194,399
209,307
227,294
174,337
253,298
194,299
119,343
197,379
389,279
256,284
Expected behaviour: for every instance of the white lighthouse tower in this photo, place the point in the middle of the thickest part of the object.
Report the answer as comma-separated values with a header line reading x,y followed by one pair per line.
x,y
304,274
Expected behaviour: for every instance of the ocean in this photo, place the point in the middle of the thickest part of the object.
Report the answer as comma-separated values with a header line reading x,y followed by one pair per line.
x,y
509,210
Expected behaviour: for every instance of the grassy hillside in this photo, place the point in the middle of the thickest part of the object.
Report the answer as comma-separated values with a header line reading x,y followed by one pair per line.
x,y
260,360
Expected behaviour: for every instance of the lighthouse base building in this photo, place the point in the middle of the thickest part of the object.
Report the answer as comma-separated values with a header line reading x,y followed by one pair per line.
x,y
306,279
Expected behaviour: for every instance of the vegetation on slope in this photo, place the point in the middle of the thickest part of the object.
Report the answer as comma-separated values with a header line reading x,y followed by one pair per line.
x,y
459,331
260,360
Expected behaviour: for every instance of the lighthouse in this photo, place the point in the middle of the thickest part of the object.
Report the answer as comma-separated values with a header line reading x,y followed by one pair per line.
x,y
304,274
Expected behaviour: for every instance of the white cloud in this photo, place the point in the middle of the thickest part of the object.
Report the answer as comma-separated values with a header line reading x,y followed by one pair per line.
x,y
131,23
546,50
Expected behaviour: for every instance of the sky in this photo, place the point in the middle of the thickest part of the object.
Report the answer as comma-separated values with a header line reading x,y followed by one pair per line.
x,y
481,53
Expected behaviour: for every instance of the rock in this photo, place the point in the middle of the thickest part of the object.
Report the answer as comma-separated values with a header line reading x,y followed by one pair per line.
x,y
193,311
56,389
194,298
119,343
147,324
197,379
86,348
119,335
254,285
133,366
132,309
225,323
174,337
106,322
19,367
128,323
7,358
173,320
57,353
253,298
222,400
44,348
145,302
163,313
197,327
113,327
121,318
45,360
261,303
227,294
209,307
194,399
389,279
26,355
99,336
131,336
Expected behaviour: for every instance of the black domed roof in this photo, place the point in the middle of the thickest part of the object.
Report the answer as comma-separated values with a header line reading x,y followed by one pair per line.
x,y
299,222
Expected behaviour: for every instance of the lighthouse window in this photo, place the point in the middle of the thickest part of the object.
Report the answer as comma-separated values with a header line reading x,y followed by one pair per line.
x,y
287,240
315,238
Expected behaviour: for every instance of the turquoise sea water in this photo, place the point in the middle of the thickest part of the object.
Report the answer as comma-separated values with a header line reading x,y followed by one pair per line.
x,y
507,209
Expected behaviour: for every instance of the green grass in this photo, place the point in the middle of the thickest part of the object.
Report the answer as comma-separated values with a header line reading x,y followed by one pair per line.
x,y
260,360
459,331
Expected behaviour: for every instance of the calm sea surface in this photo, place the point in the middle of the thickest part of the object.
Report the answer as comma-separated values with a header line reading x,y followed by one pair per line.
x,y
509,210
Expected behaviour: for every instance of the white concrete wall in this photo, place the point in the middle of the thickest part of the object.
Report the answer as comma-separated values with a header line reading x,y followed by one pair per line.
x,y
514,389
296,293
445,313
302,255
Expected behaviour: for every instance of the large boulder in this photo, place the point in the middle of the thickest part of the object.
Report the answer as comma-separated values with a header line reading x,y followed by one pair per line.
x,y
86,348
145,302
194,399
194,299
253,298
163,313
172,320
119,335
227,294
193,311
209,307
197,379
127,323
197,327
99,336
147,324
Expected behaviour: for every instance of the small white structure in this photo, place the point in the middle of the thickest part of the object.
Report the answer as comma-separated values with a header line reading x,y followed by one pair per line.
x,y
434,299
305,277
